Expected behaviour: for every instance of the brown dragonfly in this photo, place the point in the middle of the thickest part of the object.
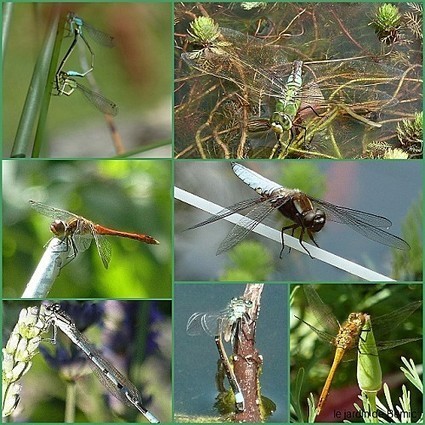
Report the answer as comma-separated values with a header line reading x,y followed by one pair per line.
x,y
345,337
78,232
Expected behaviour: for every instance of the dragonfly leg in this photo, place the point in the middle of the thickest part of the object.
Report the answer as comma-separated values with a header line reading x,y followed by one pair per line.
x,y
291,226
69,241
312,109
303,229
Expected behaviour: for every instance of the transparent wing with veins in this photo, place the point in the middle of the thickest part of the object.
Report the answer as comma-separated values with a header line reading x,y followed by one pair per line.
x,y
260,209
55,213
367,224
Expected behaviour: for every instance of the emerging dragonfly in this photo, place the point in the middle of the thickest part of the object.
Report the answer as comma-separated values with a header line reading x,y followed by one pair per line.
x,y
308,213
223,324
353,87
345,337
77,232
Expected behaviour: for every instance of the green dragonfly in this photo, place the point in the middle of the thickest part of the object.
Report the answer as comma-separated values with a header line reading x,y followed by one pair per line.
x,y
285,94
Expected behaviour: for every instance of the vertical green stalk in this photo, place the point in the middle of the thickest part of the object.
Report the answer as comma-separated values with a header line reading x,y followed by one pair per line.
x,y
41,127
71,402
369,373
36,92
7,17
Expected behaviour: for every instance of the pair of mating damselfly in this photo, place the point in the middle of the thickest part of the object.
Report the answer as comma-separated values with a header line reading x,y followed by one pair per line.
x,y
64,81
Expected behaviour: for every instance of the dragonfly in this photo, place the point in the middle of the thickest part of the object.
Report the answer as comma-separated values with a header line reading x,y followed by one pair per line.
x,y
306,212
113,380
78,232
284,88
224,324
67,85
346,337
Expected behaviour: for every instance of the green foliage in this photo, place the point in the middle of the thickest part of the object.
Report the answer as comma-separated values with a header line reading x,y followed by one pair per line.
x,y
243,269
407,265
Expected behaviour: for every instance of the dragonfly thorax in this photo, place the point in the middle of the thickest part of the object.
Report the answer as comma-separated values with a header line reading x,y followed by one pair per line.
x,y
350,330
298,208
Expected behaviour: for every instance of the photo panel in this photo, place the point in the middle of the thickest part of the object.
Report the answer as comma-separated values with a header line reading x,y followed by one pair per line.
x,y
368,213
298,80
371,334
87,80
85,361
250,323
86,197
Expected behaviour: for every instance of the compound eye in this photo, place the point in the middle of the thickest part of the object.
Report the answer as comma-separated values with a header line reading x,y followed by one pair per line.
x,y
58,228
319,220
315,220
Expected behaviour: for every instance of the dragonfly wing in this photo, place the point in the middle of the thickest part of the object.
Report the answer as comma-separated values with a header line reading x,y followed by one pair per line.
x,y
386,345
357,83
321,311
225,212
367,224
384,324
245,61
82,241
55,213
99,36
239,232
104,248
325,336
201,322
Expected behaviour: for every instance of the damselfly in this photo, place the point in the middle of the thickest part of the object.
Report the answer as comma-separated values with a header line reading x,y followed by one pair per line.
x,y
112,379
79,28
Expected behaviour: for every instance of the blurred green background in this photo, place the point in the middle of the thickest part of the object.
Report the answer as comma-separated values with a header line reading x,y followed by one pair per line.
x,y
135,74
126,195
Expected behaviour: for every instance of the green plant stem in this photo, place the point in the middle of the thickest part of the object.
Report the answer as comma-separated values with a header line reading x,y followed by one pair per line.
x,y
36,90
7,17
41,127
71,397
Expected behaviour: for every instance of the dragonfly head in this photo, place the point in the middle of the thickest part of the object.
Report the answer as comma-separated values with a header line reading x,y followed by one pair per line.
x,y
314,220
280,122
59,228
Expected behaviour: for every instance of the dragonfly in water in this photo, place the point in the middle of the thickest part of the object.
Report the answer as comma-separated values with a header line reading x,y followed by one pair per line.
x,y
346,337
283,91
306,212
225,325
78,232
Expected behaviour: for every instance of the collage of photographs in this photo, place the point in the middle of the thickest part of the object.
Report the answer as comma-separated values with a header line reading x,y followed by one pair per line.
x,y
233,231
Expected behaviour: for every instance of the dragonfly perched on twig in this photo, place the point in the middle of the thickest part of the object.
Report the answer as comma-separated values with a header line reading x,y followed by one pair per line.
x,y
77,232
345,336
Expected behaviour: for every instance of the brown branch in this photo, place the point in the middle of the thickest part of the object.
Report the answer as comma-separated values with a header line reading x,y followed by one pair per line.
x,y
246,359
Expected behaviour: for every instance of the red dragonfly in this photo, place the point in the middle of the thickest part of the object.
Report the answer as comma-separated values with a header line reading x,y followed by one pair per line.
x,y
79,232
